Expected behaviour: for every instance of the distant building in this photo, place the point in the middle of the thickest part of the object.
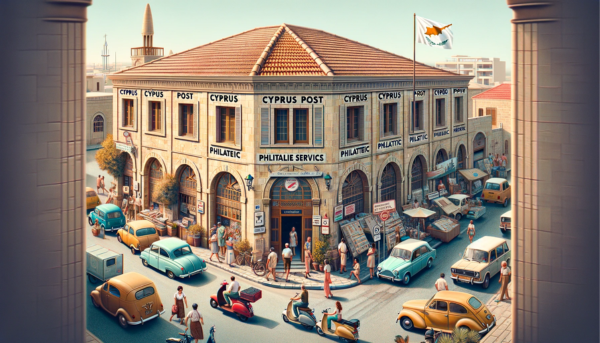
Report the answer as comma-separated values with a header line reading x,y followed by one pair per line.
x,y
94,83
486,71
98,117
147,52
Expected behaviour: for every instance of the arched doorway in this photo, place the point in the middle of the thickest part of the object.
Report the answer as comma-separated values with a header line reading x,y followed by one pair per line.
x,y
97,130
353,192
229,207
291,206
155,175
187,193
389,183
440,157
479,151
461,163
417,178
128,173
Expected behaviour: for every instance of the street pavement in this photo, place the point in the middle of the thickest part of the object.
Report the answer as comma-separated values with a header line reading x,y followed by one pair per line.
x,y
375,302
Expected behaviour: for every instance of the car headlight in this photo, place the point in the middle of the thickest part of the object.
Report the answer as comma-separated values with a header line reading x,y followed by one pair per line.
x,y
489,316
378,269
476,274
453,270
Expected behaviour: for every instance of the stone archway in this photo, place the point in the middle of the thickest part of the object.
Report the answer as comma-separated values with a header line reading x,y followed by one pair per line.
x,y
418,179
98,129
355,166
479,148
186,162
355,191
399,176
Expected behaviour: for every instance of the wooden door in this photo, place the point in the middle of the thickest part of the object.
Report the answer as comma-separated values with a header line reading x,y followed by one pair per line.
x,y
276,230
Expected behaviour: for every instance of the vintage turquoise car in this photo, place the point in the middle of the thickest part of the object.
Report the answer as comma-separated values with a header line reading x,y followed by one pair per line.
x,y
174,257
109,216
407,259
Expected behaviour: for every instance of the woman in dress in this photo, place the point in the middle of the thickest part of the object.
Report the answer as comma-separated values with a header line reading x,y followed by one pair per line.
x,y
196,322
471,231
371,259
293,240
307,257
229,256
327,281
214,246
180,298
356,271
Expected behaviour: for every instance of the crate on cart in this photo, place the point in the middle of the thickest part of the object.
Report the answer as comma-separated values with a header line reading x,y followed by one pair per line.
x,y
251,294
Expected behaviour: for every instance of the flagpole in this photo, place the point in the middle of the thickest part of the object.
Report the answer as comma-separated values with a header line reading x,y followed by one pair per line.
x,y
414,115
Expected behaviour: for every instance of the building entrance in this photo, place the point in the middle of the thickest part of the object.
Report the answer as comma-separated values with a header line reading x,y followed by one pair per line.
x,y
287,223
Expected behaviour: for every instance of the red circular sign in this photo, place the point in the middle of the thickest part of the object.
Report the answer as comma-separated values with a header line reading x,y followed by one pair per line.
x,y
385,215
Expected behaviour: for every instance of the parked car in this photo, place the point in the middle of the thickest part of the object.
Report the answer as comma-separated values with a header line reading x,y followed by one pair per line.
x,y
505,224
406,259
91,199
449,208
496,190
102,263
445,311
174,257
138,235
130,297
110,217
481,260
460,200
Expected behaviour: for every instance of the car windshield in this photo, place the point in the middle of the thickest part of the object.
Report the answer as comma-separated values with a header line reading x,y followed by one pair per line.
x,y
455,201
475,303
145,232
492,186
475,255
505,219
182,251
114,215
401,253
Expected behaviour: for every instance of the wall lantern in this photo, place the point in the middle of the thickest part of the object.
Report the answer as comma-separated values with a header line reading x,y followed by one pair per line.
x,y
249,180
327,178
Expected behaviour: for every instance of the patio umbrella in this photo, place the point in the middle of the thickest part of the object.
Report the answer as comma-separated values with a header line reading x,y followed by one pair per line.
x,y
420,213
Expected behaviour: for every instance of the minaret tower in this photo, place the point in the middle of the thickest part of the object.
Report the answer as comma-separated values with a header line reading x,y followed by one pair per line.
x,y
105,55
147,52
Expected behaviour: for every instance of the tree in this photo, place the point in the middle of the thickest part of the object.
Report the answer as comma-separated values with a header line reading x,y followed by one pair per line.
x,y
110,159
166,190
320,251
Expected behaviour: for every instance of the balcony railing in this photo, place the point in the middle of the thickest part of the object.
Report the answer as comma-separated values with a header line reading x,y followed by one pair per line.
x,y
147,51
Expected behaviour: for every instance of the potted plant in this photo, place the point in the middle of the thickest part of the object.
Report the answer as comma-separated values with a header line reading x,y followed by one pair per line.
x,y
95,231
194,234
173,230
319,253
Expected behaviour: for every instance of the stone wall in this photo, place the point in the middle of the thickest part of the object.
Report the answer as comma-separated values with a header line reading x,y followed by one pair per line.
x,y
98,106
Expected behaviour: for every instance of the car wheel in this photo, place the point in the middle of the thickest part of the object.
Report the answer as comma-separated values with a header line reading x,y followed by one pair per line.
x,y
90,221
213,303
486,282
170,274
284,317
119,238
406,279
406,323
429,263
505,202
145,263
122,321
133,250
92,279
96,305
458,216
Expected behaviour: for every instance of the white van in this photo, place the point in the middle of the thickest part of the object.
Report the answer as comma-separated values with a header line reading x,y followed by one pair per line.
x,y
505,220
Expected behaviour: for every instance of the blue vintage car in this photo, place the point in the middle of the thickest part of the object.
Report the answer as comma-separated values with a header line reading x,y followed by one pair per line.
x,y
174,257
109,216
407,259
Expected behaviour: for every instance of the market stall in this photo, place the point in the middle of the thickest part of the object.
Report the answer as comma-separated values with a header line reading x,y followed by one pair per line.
x,y
445,229
474,181
421,214
355,236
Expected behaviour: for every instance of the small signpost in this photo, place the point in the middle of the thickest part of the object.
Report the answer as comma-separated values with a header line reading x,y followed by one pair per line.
x,y
325,225
376,233
316,220
200,206
383,209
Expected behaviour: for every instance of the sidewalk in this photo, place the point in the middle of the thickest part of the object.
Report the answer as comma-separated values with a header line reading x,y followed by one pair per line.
x,y
90,338
502,332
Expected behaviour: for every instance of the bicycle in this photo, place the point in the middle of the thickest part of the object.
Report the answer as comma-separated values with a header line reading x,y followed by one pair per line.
x,y
248,258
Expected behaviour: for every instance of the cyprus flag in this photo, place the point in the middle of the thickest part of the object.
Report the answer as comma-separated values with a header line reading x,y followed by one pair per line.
x,y
432,33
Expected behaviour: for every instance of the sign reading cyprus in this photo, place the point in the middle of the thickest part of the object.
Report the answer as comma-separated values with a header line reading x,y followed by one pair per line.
x,y
435,34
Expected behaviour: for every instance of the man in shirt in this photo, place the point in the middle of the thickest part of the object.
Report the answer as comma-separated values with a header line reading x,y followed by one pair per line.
x,y
271,264
440,284
343,251
221,238
504,160
504,279
441,187
233,291
287,260
303,297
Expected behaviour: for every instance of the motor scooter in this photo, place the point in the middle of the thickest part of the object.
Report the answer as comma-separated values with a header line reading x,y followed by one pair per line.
x,y
306,318
188,338
242,308
345,329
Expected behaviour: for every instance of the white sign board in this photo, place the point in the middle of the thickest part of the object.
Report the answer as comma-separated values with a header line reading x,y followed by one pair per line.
x,y
316,220
325,222
259,218
261,229
388,205
200,206
348,210
376,233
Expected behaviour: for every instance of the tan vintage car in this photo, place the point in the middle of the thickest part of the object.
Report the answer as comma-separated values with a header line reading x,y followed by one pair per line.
x,y
505,222
481,261
496,190
130,297
445,311
138,235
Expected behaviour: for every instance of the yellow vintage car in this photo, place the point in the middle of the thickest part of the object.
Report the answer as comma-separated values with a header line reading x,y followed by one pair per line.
x,y
496,190
138,235
445,311
130,297
91,199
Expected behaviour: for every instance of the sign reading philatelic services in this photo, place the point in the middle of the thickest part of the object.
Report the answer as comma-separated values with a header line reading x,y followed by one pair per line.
x,y
132,92
356,98
154,94
460,129
224,152
292,99
384,206
291,158
355,152
394,143
224,98
421,137
459,91
389,95
440,91
441,133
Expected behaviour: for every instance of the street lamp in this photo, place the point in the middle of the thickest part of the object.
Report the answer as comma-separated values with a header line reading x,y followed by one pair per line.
x,y
249,180
327,178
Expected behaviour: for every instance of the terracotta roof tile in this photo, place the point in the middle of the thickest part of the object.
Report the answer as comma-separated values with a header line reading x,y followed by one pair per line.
x,y
287,57
501,92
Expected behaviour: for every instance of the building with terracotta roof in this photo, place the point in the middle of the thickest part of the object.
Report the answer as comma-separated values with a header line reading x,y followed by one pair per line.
x,y
485,71
288,107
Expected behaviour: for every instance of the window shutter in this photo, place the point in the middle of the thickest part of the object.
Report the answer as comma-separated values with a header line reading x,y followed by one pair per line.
x,y
361,123
381,120
218,123
264,126
196,115
343,127
238,126
318,134
396,118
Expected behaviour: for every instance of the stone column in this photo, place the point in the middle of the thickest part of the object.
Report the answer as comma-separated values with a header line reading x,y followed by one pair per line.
x,y
555,171
42,135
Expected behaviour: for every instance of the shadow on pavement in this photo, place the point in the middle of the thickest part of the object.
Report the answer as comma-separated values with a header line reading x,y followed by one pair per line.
x,y
199,280
262,321
492,289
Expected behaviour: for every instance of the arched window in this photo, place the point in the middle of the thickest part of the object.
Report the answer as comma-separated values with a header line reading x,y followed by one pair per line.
x,y
417,174
279,192
229,207
353,192
441,156
98,124
460,157
187,192
156,174
479,151
389,183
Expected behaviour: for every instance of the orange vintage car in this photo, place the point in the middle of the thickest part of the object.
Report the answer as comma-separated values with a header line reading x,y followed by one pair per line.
x,y
445,311
130,297
138,235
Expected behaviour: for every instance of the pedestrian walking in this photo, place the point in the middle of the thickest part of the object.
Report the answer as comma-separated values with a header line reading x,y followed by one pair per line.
x,y
356,271
196,322
371,259
229,257
98,183
343,251
327,280
214,247
178,308
111,194
124,204
102,186
307,257
471,231
131,209
293,240
504,160
504,280
272,264
441,186
287,260
441,284
221,238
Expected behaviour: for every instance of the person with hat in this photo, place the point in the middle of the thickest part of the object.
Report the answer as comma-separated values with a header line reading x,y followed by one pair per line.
x,y
221,238
272,264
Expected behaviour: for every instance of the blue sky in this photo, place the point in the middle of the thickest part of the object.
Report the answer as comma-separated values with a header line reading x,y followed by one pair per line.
x,y
481,28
